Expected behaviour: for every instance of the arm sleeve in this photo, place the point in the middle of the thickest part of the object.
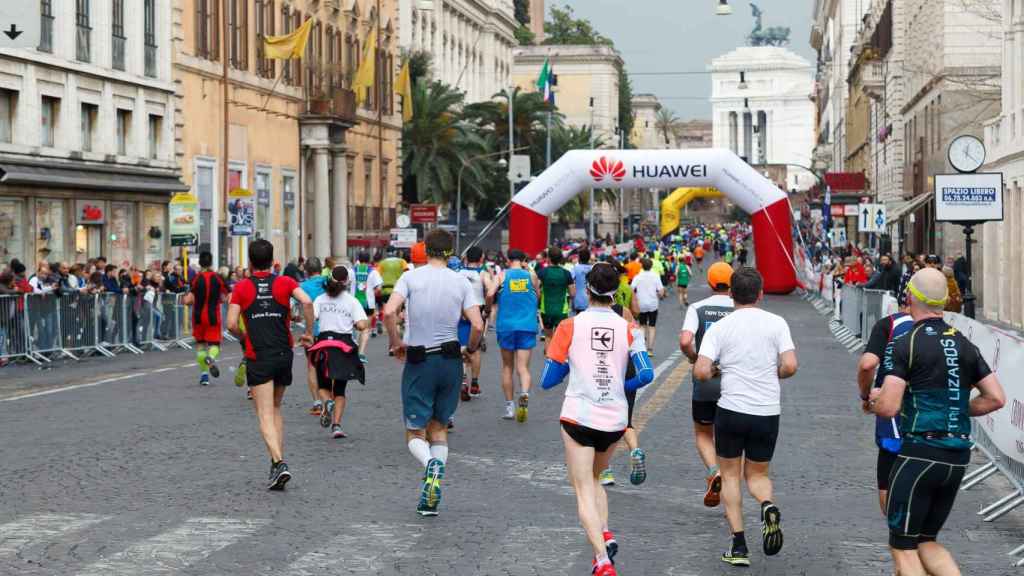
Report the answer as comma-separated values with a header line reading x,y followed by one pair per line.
x,y
690,322
283,288
402,287
242,294
554,373
879,337
709,345
981,367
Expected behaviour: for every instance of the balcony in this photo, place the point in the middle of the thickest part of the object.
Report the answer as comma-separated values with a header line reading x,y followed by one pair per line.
x,y
872,79
336,105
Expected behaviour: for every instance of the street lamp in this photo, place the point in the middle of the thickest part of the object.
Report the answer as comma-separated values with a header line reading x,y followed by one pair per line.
x,y
723,8
503,163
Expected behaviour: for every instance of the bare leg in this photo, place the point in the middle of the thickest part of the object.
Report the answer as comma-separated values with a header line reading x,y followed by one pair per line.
x,y
508,359
651,333
909,564
263,396
311,379
601,462
278,418
704,435
364,339
581,463
632,439
758,482
474,362
339,409
937,560
731,496
523,369
437,432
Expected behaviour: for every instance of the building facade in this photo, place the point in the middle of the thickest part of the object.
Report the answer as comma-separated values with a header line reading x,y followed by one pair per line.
x,y
323,182
87,121
470,41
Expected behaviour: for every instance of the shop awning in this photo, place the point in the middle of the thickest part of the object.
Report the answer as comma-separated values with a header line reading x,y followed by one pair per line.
x,y
83,176
898,210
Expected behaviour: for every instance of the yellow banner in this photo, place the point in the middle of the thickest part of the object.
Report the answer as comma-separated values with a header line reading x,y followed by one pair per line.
x,y
674,203
289,46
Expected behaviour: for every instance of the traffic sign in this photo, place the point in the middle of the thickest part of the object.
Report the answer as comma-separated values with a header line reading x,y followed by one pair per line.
x,y
519,169
871,218
19,24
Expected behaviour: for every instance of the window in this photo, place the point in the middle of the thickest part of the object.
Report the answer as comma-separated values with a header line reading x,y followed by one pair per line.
x,y
204,183
46,25
82,30
263,215
149,37
238,26
207,28
117,34
264,28
124,126
89,115
291,237
48,120
8,100
156,124
296,63
316,71
368,189
286,27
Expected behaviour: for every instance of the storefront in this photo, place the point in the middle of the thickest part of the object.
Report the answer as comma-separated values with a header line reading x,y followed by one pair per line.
x,y
71,212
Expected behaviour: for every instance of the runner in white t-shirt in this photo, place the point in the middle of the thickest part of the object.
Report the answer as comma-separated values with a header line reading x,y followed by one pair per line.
x,y
649,291
754,350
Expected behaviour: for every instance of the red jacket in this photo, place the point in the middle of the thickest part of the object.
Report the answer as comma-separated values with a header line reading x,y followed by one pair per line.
x,y
856,274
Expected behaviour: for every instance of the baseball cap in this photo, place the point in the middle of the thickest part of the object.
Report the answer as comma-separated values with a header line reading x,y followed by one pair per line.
x,y
932,259
720,276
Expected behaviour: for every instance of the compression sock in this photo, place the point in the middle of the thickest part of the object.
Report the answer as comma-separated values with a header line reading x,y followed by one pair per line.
x,y
420,450
201,360
739,541
214,352
439,451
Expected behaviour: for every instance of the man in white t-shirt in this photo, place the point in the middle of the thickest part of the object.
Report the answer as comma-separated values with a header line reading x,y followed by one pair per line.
x,y
754,350
649,290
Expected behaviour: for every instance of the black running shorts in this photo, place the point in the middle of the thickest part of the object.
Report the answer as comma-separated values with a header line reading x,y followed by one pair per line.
x,y
599,440
271,368
336,387
922,490
886,460
738,434
704,412
648,318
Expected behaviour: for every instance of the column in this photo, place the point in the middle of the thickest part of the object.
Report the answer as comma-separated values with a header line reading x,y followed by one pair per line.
x,y
339,220
321,204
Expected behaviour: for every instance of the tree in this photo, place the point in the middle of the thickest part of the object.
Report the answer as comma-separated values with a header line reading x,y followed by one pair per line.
x,y
626,118
525,36
564,28
522,9
529,117
666,124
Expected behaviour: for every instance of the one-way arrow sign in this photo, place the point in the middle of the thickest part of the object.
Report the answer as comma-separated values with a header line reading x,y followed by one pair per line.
x,y
19,22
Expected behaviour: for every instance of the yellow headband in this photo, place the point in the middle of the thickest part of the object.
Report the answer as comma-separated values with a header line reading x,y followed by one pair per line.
x,y
924,299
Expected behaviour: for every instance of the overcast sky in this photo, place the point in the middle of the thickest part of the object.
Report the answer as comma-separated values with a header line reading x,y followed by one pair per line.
x,y
684,36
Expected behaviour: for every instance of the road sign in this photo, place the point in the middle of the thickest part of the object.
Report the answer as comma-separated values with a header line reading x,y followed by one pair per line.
x,y
519,169
871,218
839,237
403,220
403,237
241,212
968,197
423,213
19,24
184,213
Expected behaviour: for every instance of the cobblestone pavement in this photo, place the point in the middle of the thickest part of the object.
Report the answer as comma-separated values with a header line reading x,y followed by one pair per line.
x,y
138,471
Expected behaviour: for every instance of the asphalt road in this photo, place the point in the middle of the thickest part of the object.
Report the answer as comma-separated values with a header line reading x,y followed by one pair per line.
x,y
127,467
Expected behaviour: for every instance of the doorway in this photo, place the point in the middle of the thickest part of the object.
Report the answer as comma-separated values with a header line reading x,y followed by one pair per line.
x,y
88,241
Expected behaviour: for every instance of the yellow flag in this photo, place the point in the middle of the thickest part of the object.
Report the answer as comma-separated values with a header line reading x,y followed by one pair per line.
x,y
363,81
289,46
404,89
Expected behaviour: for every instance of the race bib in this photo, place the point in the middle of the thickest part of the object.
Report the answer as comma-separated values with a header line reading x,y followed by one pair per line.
x,y
361,286
519,285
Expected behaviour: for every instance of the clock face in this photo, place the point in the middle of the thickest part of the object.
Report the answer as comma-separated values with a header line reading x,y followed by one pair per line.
x,y
966,154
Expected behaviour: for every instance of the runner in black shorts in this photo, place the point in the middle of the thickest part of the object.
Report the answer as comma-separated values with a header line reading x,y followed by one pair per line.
x,y
647,318
637,455
263,300
934,371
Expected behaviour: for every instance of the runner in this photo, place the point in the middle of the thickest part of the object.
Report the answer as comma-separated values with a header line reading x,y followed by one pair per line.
x,y
754,351
206,293
579,278
698,254
482,282
706,393
682,282
649,291
263,300
335,355
515,294
557,289
367,281
314,285
595,413
436,298
934,368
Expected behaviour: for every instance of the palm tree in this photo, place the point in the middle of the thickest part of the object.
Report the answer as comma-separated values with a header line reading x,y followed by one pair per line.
x,y
665,124
438,142
529,118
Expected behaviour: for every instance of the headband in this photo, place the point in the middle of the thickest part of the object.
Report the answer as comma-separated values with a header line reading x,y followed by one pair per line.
x,y
924,299
590,287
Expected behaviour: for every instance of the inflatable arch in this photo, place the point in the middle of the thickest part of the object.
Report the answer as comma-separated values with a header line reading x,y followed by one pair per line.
x,y
579,170
674,203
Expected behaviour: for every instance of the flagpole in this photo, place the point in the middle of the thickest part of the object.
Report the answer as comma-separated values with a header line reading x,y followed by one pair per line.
x,y
224,172
380,115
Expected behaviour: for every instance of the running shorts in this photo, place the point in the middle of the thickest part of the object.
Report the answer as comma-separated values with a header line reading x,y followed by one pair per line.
x,y
648,318
886,460
465,329
517,340
370,312
207,334
704,411
738,434
271,368
922,489
430,390
336,387
551,321
599,440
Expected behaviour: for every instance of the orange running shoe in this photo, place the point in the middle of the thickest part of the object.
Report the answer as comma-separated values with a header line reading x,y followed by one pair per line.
x,y
714,493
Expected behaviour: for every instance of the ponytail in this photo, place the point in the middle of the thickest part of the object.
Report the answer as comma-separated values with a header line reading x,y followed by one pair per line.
x,y
337,281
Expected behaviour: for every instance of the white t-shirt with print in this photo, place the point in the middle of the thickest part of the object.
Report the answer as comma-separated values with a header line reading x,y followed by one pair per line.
x,y
647,286
338,314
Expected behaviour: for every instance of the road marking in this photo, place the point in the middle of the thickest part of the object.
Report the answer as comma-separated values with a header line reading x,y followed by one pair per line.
x,y
364,549
41,528
171,551
661,368
661,396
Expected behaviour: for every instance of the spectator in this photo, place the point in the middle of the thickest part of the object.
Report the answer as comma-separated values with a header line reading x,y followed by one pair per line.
x,y
961,272
856,275
110,283
20,282
955,303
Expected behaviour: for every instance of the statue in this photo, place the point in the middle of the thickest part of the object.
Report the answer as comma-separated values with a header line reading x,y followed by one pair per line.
x,y
774,36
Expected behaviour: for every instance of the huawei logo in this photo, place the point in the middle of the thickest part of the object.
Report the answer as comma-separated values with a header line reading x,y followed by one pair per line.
x,y
607,167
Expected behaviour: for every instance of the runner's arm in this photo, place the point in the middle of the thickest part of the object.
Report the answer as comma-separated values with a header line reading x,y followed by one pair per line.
x,y
234,313
536,282
686,345
887,400
476,322
391,309
556,366
787,364
866,373
992,396
703,369
641,362
307,312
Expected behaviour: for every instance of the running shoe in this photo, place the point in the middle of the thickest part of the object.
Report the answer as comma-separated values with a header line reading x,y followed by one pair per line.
x,y
464,394
430,493
317,409
510,411
713,495
483,346
212,365
474,389
607,478
362,358
451,425
522,410
279,476
204,379
240,375
248,393
337,432
326,413
771,528
607,569
611,546
736,556
637,467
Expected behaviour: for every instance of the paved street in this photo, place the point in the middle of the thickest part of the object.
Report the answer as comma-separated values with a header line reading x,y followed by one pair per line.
x,y
147,474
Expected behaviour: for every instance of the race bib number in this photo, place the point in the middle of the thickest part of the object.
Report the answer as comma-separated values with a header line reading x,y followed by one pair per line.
x,y
361,286
519,285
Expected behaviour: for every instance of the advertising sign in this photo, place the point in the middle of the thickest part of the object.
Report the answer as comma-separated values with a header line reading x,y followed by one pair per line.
x,y
850,210
89,212
423,213
19,24
403,237
184,214
968,197
241,212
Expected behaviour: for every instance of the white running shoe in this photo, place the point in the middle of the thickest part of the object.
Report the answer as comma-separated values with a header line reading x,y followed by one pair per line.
x,y
510,411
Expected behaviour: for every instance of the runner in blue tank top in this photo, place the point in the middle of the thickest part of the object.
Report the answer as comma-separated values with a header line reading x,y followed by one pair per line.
x,y
518,292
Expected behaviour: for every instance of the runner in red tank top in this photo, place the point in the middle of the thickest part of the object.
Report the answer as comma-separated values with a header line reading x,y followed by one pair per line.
x,y
264,301
206,293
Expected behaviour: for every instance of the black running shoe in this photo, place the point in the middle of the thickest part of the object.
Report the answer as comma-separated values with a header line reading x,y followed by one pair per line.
x,y
279,476
771,528
212,365
327,413
736,556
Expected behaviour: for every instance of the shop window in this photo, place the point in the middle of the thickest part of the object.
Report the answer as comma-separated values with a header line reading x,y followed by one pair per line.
x,y
156,124
12,231
49,232
203,183
154,232
290,224
122,231
89,115
8,100
124,126
50,112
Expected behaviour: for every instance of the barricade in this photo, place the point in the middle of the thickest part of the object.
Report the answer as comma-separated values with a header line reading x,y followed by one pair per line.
x,y
14,340
851,307
871,310
79,326
116,320
44,327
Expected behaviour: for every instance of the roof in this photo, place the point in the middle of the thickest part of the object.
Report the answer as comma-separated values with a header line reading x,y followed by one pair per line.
x,y
748,58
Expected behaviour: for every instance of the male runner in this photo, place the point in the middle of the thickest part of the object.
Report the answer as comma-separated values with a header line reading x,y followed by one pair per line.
x,y
436,299
367,281
482,282
390,269
556,290
706,393
754,350
682,281
934,368
206,293
314,285
264,301
649,291
516,291
579,278
698,254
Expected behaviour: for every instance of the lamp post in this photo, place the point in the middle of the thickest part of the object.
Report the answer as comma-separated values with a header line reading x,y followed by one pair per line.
x,y
458,195
723,8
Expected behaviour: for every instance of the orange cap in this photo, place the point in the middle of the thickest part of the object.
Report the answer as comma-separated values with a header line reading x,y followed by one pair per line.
x,y
418,254
720,274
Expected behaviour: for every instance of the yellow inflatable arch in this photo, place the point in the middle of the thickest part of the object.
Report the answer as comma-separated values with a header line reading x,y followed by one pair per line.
x,y
674,203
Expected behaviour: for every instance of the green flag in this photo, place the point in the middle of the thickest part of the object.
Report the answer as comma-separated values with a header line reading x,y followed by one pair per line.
x,y
544,82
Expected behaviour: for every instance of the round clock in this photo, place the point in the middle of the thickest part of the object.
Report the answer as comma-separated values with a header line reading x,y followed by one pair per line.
x,y
966,153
